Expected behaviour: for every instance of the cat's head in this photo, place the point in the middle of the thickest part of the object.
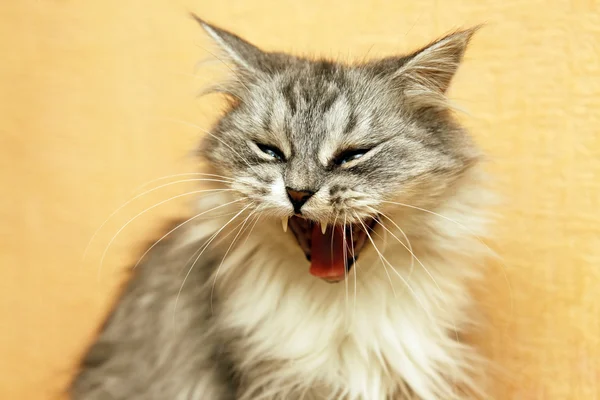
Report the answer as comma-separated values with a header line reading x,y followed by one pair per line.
x,y
326,146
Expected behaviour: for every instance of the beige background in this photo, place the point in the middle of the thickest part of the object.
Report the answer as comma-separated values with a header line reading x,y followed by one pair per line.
x,y
98,97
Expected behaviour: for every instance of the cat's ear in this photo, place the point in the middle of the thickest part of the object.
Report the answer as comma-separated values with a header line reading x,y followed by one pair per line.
x,y
243,54
425,75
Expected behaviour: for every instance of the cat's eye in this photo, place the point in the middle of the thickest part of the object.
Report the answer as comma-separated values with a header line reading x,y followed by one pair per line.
x,y
271,151
349,155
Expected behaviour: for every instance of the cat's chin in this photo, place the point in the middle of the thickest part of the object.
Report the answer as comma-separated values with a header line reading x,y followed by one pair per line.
x,y
332,250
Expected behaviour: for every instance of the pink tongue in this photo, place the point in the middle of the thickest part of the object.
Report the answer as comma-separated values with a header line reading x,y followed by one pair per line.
x,y
327,253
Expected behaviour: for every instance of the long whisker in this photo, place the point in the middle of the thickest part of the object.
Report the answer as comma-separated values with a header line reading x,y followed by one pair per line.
x,y
180,225
130,201
162,178
345,258
223,238
381,258
401,278
226,214
259,209
355,274
426,271
385,240
413,256
256,211
410,249
433,213
212,290
251,229
510,290
146,210
332,236
423,266
419,261
209,240
200,255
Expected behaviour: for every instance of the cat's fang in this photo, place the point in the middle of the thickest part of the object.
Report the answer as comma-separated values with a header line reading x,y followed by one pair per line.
x,y
284,223
323,227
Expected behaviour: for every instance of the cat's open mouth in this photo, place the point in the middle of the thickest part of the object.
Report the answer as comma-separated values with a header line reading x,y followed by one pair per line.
x,y
331,249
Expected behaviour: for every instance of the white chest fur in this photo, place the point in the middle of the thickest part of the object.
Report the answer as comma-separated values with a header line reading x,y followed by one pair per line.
x,y
364,338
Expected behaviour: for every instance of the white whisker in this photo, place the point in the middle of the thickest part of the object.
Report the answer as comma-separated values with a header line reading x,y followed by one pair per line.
x,y
422,266
180,225
208,242
332,236
162,178
212,290
129,202
413,256
355,274
200,255
410,249
252,228
345,258
433,213
414,294
474,235
381,258
427,272
145,211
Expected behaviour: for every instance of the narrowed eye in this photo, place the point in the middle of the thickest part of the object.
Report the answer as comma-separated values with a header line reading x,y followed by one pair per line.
x,y
271,151
349,155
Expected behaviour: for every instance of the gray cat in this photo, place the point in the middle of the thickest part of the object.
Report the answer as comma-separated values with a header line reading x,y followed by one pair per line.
x,y
332,247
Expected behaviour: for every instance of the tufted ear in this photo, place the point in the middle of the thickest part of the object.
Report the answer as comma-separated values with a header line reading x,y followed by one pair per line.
x,y
435,65
425,75
245,56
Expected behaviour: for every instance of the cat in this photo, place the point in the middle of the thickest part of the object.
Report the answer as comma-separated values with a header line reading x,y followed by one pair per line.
x,y
332,249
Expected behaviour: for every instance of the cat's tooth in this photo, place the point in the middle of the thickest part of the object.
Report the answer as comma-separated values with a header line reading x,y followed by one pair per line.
x,y
323,227
284,223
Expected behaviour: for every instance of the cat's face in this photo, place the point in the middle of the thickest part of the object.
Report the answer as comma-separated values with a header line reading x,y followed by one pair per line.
x,y
325,146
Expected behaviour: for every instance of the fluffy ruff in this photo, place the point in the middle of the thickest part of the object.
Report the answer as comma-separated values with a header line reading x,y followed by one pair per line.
x,y
245,320
390,330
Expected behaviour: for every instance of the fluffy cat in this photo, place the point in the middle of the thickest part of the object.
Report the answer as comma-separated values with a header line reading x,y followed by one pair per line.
x,y
345,205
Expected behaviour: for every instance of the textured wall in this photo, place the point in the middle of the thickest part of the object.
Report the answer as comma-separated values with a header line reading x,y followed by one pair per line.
x,y
97,97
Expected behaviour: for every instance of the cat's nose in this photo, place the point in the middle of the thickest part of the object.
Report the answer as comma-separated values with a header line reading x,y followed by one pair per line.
x,y
298,197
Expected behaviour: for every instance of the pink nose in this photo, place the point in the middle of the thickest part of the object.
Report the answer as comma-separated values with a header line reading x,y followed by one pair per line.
x,y
298,198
